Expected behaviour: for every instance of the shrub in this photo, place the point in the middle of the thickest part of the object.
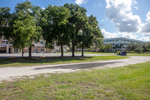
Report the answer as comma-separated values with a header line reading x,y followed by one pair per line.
x,y
138,50
131,51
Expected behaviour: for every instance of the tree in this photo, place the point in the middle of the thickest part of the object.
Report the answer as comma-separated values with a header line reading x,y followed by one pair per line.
x,y
96,32
115,47
148,46
56,27
46,22
61,26
144,47
5,17
108,47
25,25
139,49
102,48
132,46
76,19
85,39
121,45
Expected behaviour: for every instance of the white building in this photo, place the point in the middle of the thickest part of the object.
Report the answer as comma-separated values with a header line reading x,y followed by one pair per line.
x,y
37,47
120,40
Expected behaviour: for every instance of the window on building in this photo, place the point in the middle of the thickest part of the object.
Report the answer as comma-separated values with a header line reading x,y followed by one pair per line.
x,y
116,40
6,42
42,42
36,50
42,50
36,42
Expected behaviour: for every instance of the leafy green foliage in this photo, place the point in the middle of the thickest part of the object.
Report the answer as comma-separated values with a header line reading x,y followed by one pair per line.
x,y
5,17
102,48
25,25
108,47
61,24
134,47
148,46
78,21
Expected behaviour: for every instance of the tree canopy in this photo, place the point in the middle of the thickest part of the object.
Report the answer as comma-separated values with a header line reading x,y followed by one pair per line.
x,y
132,46
65,25
148,46
108,47
24,25
4,19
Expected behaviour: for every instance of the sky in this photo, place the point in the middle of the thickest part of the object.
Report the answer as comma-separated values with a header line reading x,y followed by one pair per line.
x,y
117,18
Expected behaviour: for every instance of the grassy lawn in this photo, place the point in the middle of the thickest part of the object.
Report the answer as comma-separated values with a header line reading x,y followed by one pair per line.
x,y
131,82
137,54
101,53
107,53
14,62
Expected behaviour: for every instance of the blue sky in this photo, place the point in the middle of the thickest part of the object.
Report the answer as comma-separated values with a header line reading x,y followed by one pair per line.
x,y
117,18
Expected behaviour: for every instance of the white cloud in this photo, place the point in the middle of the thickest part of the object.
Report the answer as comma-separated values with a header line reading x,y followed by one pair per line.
x,y
148,16
118,34
144,39
79,2
145,27
128,35
43,8
134,2
29,10
119,12
126,4
146,34
136,8
108,34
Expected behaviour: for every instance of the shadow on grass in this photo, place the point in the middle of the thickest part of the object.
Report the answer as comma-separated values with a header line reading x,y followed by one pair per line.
x,y
40,60
79,66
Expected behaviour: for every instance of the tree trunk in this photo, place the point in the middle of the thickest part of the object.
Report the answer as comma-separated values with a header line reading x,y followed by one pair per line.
x,y
62,50
22,52
72,50
30,51
82,50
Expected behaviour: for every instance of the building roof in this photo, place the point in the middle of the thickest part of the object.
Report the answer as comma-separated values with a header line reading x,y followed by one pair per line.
x,y
122,39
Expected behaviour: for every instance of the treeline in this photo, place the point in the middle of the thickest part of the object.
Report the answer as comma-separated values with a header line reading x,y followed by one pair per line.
x,y
66,25
131,47
139,48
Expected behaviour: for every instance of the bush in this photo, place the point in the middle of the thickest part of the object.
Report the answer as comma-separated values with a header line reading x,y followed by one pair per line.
x,y
147,52
138,50
131,51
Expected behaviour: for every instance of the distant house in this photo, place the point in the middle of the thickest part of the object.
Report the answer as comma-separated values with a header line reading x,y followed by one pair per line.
x,y
120,40
37,47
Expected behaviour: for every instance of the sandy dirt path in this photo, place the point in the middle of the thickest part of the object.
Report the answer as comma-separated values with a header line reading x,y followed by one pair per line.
x,y
9,73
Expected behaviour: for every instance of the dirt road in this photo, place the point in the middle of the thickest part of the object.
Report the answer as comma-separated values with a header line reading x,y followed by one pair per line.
x,y
9,73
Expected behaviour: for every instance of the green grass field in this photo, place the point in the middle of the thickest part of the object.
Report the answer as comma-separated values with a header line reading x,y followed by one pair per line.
x,y
101,53
14,62
137,54
131,82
